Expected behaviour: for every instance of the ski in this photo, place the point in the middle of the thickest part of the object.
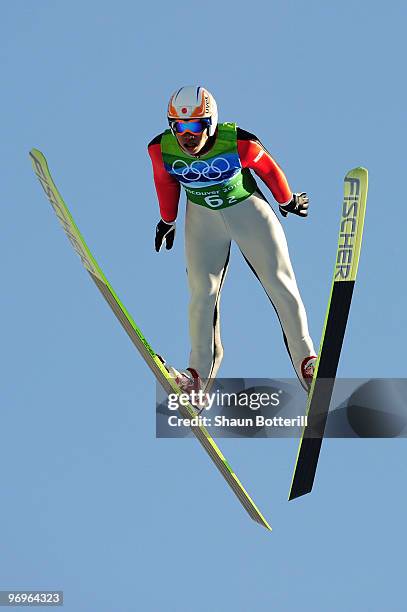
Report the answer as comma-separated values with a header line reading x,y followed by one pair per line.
x,y
345,271
136,336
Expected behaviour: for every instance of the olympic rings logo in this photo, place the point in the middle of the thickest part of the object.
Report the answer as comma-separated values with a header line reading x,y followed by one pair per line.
x,y
198,169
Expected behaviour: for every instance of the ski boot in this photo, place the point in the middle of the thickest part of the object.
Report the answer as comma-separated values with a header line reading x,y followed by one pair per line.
x,y
189,382
307,371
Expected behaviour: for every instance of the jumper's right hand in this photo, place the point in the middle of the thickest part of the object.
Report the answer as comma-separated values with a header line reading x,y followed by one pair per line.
x,y
164,231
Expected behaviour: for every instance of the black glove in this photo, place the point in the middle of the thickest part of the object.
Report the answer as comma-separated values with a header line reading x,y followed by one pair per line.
x,y
297,206
164,231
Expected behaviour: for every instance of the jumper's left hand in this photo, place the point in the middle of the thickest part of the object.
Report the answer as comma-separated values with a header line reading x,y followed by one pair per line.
x,y
297,206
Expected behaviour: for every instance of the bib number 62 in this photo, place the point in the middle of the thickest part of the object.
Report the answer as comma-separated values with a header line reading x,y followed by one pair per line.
x,y
215,201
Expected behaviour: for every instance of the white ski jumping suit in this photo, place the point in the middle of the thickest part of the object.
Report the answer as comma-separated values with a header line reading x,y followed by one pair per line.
x,y
225,204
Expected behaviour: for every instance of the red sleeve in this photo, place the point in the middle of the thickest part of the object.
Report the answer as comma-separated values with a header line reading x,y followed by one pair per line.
x,y
254,156
167,187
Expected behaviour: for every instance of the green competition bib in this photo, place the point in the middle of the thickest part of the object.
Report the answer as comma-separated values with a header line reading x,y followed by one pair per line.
x,y
216,180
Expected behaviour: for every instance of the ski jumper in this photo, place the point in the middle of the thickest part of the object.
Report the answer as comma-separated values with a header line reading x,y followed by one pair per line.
x,y
225,204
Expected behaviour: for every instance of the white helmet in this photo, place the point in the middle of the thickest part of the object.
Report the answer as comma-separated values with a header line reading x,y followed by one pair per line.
x,y
193,102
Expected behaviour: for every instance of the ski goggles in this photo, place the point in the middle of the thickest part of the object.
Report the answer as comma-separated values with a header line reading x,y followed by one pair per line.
x,y
194,126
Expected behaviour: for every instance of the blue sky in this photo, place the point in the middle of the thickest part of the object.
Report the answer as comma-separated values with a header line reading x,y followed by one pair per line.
x,y
91,502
